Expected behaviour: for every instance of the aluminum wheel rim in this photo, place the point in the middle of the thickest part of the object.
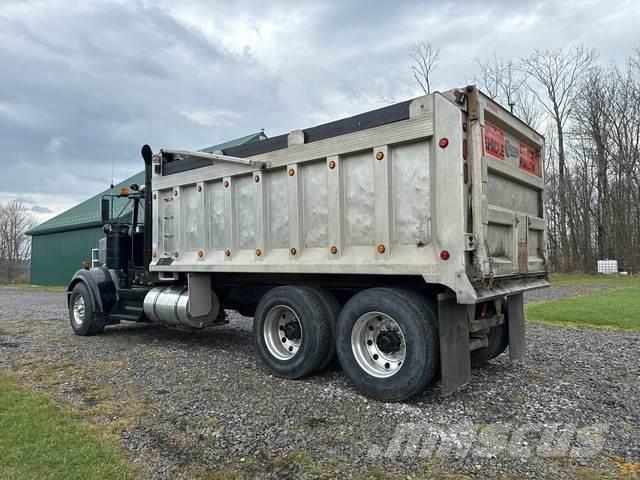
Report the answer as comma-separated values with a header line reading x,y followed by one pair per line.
x,y
378,344
280,322
78,310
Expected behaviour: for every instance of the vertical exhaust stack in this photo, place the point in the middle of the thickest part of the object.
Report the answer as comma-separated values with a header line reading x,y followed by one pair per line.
x,y
147,155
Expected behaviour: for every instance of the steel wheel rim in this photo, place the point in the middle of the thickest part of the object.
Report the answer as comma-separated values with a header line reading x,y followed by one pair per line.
x,y
282,332
78,310
378,344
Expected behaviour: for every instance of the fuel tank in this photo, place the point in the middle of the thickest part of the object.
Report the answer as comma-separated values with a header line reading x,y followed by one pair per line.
x,y
170,305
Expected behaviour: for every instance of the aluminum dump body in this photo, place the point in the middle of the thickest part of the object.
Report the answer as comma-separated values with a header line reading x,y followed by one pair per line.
x,y
447,187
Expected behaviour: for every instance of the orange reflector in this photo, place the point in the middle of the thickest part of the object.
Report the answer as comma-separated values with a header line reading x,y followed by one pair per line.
x,y
124,192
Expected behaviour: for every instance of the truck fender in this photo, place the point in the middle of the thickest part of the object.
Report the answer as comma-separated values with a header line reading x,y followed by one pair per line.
x,y
100,284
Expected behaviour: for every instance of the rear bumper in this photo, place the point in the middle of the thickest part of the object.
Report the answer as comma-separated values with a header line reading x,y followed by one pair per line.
x,y
508,287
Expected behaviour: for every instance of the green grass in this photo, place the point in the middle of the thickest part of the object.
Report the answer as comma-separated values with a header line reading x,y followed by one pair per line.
x,y
616,308
28,286
38,441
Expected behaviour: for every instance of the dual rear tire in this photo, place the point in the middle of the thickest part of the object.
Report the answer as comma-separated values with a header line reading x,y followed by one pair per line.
x,y
386,339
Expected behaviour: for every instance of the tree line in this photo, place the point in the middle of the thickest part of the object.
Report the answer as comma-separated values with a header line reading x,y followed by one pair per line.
x,y
15,247
589,113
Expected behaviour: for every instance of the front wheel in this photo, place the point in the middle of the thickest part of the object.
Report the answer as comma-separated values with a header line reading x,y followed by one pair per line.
x,y
387,343
82,315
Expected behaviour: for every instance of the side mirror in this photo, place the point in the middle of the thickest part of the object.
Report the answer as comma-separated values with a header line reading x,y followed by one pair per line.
x,y
105,210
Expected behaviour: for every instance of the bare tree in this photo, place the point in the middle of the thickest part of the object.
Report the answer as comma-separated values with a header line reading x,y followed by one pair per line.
x,y
504,83
425,56
15,248
554,78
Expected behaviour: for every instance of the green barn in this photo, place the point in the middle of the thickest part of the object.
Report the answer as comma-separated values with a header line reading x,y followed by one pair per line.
x,y
60,245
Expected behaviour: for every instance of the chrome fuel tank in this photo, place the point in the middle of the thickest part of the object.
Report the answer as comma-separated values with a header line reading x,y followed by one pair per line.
x,y
170,305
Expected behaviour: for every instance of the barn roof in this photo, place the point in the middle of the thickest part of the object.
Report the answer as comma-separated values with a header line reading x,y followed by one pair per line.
x,y
87,213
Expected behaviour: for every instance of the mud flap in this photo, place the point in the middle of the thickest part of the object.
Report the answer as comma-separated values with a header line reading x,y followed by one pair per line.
x,y
455,360
515,307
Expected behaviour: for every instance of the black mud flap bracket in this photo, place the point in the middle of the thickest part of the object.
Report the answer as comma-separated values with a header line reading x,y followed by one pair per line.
x,y
455,361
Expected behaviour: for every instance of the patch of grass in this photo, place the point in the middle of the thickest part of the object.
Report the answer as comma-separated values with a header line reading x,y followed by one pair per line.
x,y
611,281
40,441
28,286
616,308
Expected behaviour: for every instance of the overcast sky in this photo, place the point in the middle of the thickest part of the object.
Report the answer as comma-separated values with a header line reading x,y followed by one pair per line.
x,y
84,84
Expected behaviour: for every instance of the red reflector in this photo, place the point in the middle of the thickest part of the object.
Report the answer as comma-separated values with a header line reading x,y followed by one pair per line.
x,y
464,127
485,309
444,255
443,143
465,148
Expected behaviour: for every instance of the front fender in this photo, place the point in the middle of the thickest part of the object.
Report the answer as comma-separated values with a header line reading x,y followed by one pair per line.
x,y
101,286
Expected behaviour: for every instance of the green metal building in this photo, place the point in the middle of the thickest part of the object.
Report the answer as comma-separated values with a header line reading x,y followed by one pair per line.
x,y
60,245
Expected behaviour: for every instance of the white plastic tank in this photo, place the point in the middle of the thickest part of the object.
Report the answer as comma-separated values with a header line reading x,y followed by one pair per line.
x,y
607,266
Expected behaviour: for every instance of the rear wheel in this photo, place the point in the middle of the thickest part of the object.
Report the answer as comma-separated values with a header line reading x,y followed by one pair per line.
x,y
332,308
292,331
387,343
82,315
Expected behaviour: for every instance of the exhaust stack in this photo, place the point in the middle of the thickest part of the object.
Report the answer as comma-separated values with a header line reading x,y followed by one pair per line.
x,y
147,155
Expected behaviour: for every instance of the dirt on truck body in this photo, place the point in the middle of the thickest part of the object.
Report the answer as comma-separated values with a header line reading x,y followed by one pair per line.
x,y
399,240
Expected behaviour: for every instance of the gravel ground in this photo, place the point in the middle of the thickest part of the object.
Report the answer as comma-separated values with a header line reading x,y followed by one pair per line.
x,y
201,405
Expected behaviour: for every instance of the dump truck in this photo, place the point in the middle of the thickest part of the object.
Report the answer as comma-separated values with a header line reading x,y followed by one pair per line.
x,y
399,241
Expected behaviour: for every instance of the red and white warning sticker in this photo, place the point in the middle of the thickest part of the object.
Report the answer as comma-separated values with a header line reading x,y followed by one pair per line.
x,y
528,159
493,141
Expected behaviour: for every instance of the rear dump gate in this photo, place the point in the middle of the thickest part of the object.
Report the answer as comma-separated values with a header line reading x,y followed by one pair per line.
x,y
512,185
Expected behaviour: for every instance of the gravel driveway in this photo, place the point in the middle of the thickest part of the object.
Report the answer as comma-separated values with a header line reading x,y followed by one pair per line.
x,y
201,405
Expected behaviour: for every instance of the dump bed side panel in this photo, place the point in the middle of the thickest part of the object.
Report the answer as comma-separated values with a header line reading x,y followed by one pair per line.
x,y
361,202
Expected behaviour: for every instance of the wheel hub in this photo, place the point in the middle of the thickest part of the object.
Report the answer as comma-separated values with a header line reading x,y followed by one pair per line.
x,y
388,341
282,332
292,330
78,310
378,344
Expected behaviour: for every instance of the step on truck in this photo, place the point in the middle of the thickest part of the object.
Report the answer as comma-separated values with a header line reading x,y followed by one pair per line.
x,y
399,240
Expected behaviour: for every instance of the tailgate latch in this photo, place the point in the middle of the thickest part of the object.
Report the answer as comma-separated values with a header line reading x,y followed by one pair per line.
x,y
470,242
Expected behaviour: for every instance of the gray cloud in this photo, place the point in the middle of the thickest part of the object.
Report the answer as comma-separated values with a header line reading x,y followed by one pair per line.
x,y
84,84
41,209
